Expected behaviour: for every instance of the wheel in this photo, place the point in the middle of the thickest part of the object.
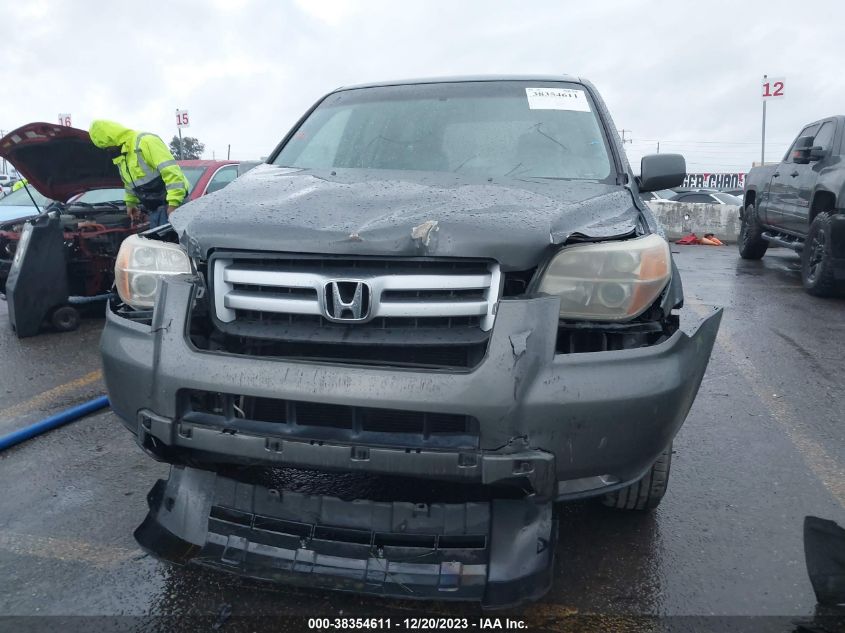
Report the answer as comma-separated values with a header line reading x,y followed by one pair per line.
x,y
816,266
751,243
646,493
65,318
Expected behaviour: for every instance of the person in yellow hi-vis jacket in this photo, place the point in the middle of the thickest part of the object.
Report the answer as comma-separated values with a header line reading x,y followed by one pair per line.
x,y
151,177
20,184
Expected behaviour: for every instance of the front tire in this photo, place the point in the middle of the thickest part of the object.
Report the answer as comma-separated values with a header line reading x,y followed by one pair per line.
x,y
751,243
646,493
816,258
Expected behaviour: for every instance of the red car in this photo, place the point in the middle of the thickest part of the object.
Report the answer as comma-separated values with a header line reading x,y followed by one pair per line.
x,y
204,176
75,263
207,176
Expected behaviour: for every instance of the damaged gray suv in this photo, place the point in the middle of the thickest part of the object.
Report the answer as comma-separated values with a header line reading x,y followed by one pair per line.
x,y
448,280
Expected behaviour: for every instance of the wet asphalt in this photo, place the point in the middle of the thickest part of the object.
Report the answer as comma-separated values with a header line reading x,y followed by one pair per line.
x,y
763,446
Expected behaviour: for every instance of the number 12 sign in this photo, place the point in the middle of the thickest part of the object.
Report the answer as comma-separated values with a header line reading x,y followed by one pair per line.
x,y
182,118
773,87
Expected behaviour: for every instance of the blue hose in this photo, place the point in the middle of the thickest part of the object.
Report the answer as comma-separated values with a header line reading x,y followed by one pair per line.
x,y
54,421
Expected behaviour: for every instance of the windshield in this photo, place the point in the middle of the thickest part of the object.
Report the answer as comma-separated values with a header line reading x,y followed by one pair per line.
x,y
517,129
99,196
193,175
20,198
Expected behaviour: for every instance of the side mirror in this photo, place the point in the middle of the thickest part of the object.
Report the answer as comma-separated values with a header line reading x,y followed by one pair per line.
x,y
801,151
817,152
661,171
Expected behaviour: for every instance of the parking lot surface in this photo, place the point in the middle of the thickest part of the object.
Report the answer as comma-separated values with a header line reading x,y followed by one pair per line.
x,y
763,447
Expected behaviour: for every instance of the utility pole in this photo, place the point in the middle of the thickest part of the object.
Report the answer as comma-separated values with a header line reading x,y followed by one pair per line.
x,y
763,142
2,134
624,140
181,148
229,152
658,147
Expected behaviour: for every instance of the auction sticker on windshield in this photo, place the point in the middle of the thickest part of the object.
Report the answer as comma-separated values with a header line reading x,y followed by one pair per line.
x,y
557,99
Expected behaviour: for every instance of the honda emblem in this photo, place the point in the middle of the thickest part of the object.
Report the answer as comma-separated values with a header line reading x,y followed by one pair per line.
x,y
347,301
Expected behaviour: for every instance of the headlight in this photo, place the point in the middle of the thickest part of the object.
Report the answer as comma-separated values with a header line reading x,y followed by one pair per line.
x,y
140,265
609,281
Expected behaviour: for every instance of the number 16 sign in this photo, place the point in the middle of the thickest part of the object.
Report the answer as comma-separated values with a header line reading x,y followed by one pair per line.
x,y
772,88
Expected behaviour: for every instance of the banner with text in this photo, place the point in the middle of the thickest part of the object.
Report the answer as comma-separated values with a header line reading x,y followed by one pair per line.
x,y
715,181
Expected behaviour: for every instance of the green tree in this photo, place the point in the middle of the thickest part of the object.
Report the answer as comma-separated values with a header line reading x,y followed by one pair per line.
x,y
192,148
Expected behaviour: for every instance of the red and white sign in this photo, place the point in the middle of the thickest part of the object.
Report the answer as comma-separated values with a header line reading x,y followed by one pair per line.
x,y
64,119
182,119
772,88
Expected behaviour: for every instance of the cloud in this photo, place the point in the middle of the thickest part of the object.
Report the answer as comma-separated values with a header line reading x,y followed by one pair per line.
x,y
683,73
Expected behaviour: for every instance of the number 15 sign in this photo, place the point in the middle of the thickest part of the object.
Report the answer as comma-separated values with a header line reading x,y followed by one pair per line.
x,y
772,88
182,118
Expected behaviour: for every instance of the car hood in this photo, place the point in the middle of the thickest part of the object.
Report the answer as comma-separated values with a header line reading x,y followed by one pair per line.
x,y
402,213
59,161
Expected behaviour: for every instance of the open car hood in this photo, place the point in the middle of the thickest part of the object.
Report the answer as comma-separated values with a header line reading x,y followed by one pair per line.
x,y
59,161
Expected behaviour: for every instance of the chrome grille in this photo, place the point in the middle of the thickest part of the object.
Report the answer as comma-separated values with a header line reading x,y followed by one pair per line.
x,y
388,289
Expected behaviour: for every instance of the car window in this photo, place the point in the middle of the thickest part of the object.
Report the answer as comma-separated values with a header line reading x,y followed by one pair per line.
x,y
647,195
99,196
193,175
21,198
223,177
694,197
824,137
486,128
810,130
727,198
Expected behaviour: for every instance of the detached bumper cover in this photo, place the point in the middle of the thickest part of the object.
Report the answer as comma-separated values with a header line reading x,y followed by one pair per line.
x,y
499,553
573,425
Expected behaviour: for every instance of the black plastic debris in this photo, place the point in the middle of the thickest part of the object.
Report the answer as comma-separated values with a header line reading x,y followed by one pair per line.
x,y
824,550
498,552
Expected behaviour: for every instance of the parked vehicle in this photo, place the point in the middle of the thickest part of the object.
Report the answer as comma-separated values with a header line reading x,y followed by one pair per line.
x,y
648,196
18,204
6,182
798,204
69,253
706,197
451,280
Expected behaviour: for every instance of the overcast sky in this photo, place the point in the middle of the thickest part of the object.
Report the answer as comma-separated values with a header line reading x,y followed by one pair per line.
x,y
686,74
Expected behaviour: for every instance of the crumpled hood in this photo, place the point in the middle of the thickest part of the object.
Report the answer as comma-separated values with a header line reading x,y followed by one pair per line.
x,y
59,161
402,213
109,134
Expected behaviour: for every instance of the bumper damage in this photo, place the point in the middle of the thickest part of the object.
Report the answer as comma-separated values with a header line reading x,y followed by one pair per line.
x,y
499,553
562,425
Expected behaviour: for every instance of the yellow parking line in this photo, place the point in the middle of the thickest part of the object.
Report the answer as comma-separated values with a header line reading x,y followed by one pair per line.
x,y
46,397
64,549
829,470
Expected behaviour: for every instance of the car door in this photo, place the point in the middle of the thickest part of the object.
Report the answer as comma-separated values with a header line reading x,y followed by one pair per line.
x,y
801,183
773,211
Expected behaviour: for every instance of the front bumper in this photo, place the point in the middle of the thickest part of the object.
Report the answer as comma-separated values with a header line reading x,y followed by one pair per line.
x,y
571,425
499,552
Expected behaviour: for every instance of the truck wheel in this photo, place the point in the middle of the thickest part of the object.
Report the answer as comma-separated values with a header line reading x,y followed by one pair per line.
x,y
816,265
648,491
751,243
65,318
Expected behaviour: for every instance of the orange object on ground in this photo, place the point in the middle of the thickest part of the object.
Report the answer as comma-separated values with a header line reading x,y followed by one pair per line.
x,y
710,240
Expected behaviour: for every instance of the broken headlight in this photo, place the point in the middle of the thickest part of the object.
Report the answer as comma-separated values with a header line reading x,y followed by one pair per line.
x,y
608,281
140,265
